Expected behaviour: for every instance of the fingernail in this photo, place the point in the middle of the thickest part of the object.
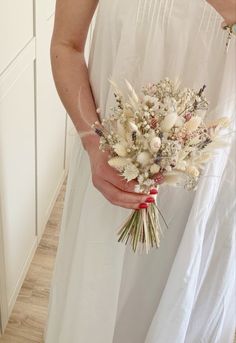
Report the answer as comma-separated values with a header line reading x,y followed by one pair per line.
x,y
153,191
150,199
143,205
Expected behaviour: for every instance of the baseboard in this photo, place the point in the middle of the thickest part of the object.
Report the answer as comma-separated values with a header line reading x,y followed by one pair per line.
x,y
52,203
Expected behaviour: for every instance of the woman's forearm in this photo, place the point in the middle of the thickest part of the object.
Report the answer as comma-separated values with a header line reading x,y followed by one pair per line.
x,y
70,74
226,8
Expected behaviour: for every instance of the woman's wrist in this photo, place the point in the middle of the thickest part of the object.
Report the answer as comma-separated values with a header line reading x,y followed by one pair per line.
x,y
90,142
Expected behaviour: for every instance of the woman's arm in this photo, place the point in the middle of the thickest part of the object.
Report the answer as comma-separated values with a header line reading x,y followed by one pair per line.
x,y
70,73
72,19
226,8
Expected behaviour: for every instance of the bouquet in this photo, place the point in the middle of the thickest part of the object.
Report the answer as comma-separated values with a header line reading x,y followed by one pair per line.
x,y
159,137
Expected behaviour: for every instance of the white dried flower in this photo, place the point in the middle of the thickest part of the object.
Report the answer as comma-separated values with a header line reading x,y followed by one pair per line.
x,y
120,129
120,149
144,158
119,163
128,112
155,144
155,168
165,135
151,102
149,182
181,165
194,140
198,99
137,188
179,122
133,127
130,172
140,178
193,124
134,95
145,144
115,87
128,138
193,171
168,168
169,121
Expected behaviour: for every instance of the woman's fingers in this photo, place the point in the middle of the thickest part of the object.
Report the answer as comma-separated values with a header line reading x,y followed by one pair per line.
x,y
121,198
114,187
112,176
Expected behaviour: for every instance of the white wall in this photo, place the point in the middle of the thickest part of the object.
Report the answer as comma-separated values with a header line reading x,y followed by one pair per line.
x,y
17,138
36,136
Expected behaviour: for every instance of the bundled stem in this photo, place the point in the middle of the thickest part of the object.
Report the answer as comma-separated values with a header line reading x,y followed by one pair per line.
x,y
142,229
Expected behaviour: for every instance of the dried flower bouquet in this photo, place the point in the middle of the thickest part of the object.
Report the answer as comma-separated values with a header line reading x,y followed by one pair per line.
x,y
159,137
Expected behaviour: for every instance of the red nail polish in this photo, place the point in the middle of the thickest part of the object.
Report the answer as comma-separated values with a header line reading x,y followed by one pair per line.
x,y
150,199
143,205
153,191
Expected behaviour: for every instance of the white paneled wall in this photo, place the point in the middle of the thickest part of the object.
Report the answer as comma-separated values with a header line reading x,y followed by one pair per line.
x,y
16,29
17,146
51,119
17,154
36,136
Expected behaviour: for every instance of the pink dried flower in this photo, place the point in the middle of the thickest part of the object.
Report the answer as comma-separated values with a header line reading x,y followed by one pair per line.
x,y
188,116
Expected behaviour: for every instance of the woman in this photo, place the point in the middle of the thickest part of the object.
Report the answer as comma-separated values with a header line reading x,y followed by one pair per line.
x,y
183,291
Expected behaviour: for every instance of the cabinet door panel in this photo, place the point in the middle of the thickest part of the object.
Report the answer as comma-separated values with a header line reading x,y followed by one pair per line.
x,y
17,170
16,28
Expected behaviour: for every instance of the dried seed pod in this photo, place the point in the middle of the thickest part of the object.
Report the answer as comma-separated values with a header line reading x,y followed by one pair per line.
x,y
153,123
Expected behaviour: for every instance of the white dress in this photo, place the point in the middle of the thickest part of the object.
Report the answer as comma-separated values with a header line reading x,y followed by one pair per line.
x,y
183,292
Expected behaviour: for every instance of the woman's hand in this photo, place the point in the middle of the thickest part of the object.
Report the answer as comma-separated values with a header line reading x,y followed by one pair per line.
x,y
226,8
115,189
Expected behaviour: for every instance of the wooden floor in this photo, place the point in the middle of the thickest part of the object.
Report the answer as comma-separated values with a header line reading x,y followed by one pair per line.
x,y
29,315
